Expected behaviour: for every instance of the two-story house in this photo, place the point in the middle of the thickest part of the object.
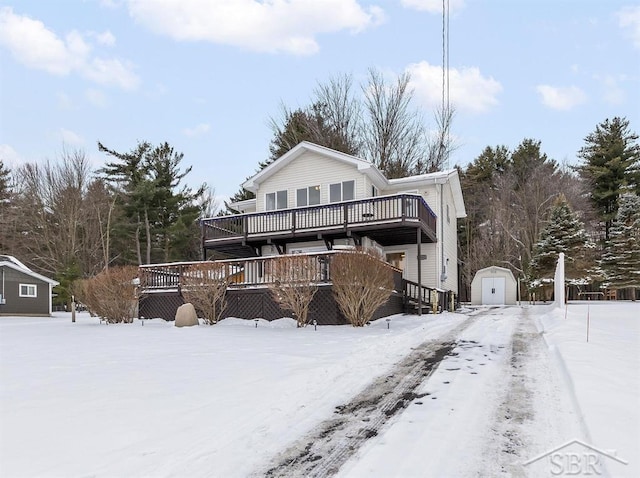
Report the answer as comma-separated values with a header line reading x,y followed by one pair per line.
x,y
317,200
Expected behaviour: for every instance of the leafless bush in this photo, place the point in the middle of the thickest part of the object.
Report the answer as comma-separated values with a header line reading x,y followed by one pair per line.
x,y
362,282
205,286
294,284
110,294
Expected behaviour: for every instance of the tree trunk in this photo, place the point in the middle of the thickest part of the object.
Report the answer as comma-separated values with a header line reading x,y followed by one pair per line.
x,y
148,231
138,249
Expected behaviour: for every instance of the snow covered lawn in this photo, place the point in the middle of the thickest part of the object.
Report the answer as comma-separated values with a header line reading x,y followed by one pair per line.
x,y
603,375
89,399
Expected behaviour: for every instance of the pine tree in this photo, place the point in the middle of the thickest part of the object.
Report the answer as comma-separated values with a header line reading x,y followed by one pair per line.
x,y
621,259
612,161
564,232
5,179
5,207
160,217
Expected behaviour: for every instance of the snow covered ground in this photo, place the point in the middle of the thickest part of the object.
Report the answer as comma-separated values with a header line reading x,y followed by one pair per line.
x,y
88,399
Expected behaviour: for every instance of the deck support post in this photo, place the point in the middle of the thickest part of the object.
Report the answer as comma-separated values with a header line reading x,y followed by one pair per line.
x,y
419,244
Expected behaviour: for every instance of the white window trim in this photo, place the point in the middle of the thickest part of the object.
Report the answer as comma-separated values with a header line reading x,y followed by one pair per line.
x,y
31,296
275,200
307,189
341,183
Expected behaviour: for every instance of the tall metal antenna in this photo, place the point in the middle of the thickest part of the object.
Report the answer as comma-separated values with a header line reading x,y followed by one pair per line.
x,y
445,112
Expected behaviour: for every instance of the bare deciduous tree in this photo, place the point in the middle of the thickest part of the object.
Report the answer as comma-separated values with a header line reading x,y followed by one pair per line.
x,y
395,136
341,112
205,286
440,143
54,225
294,282
362,282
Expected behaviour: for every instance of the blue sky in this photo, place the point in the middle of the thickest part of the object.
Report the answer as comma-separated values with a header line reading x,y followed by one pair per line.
x,y
206,76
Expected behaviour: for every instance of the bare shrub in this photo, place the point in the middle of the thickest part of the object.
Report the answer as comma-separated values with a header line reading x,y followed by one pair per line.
x,y
111,294
294,283
362,282
205,286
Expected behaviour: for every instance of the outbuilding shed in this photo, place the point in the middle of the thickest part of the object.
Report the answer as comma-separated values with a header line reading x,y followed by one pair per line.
x,y
22,291
494,286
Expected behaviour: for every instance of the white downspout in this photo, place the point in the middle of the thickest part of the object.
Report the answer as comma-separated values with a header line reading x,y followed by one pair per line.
x,y
441,245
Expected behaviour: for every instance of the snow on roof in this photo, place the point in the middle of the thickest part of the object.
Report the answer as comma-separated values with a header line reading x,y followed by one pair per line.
x,y
13,263
7,258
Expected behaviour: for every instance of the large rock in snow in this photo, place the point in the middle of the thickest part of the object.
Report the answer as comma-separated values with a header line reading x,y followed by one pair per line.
x,y
186,316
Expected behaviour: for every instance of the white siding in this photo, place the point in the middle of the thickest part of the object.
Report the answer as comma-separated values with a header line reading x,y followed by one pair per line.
x,y
449,240
446,232
311,169
410,271
510,284
309,246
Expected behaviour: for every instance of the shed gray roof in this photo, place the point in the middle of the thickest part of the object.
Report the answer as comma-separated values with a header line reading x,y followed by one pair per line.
x,y
13,263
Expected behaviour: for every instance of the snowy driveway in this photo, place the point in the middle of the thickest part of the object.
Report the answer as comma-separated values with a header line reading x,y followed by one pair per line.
x,y
486,410
234,400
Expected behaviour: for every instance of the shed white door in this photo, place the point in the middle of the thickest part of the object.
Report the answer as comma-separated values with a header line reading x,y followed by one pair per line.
x,y
493,290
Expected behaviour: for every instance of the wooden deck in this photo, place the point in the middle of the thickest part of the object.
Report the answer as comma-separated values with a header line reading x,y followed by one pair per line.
x,y
238,273
388,220
248,280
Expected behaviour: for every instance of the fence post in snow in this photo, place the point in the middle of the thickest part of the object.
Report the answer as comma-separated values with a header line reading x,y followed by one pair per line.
x,y
558,282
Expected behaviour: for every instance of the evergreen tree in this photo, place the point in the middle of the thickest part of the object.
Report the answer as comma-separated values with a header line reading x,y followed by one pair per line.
x,y
297,127
5,179
612,163
621,259
528,159
5,207
564,232
313,124
159,214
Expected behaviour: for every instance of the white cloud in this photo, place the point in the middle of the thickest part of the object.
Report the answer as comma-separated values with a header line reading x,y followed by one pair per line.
x,y
70,137
561,98
105,38
468,89
271,26
199,130
35,46
112,72
629,20
433,6
96,97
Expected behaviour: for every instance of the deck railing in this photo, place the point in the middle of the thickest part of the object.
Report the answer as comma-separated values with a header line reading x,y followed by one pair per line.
x,y
258,272
376,210
254,271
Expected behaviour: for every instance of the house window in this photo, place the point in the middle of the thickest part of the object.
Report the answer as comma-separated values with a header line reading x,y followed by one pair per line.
x,y
28,290
308,196
344,191
396,259
374,191
277,200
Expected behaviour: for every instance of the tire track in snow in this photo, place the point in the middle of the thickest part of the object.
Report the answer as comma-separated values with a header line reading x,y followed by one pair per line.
x,y
534,413
326,448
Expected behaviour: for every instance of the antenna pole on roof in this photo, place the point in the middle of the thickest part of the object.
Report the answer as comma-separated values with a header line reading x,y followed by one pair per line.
x,y
445,82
